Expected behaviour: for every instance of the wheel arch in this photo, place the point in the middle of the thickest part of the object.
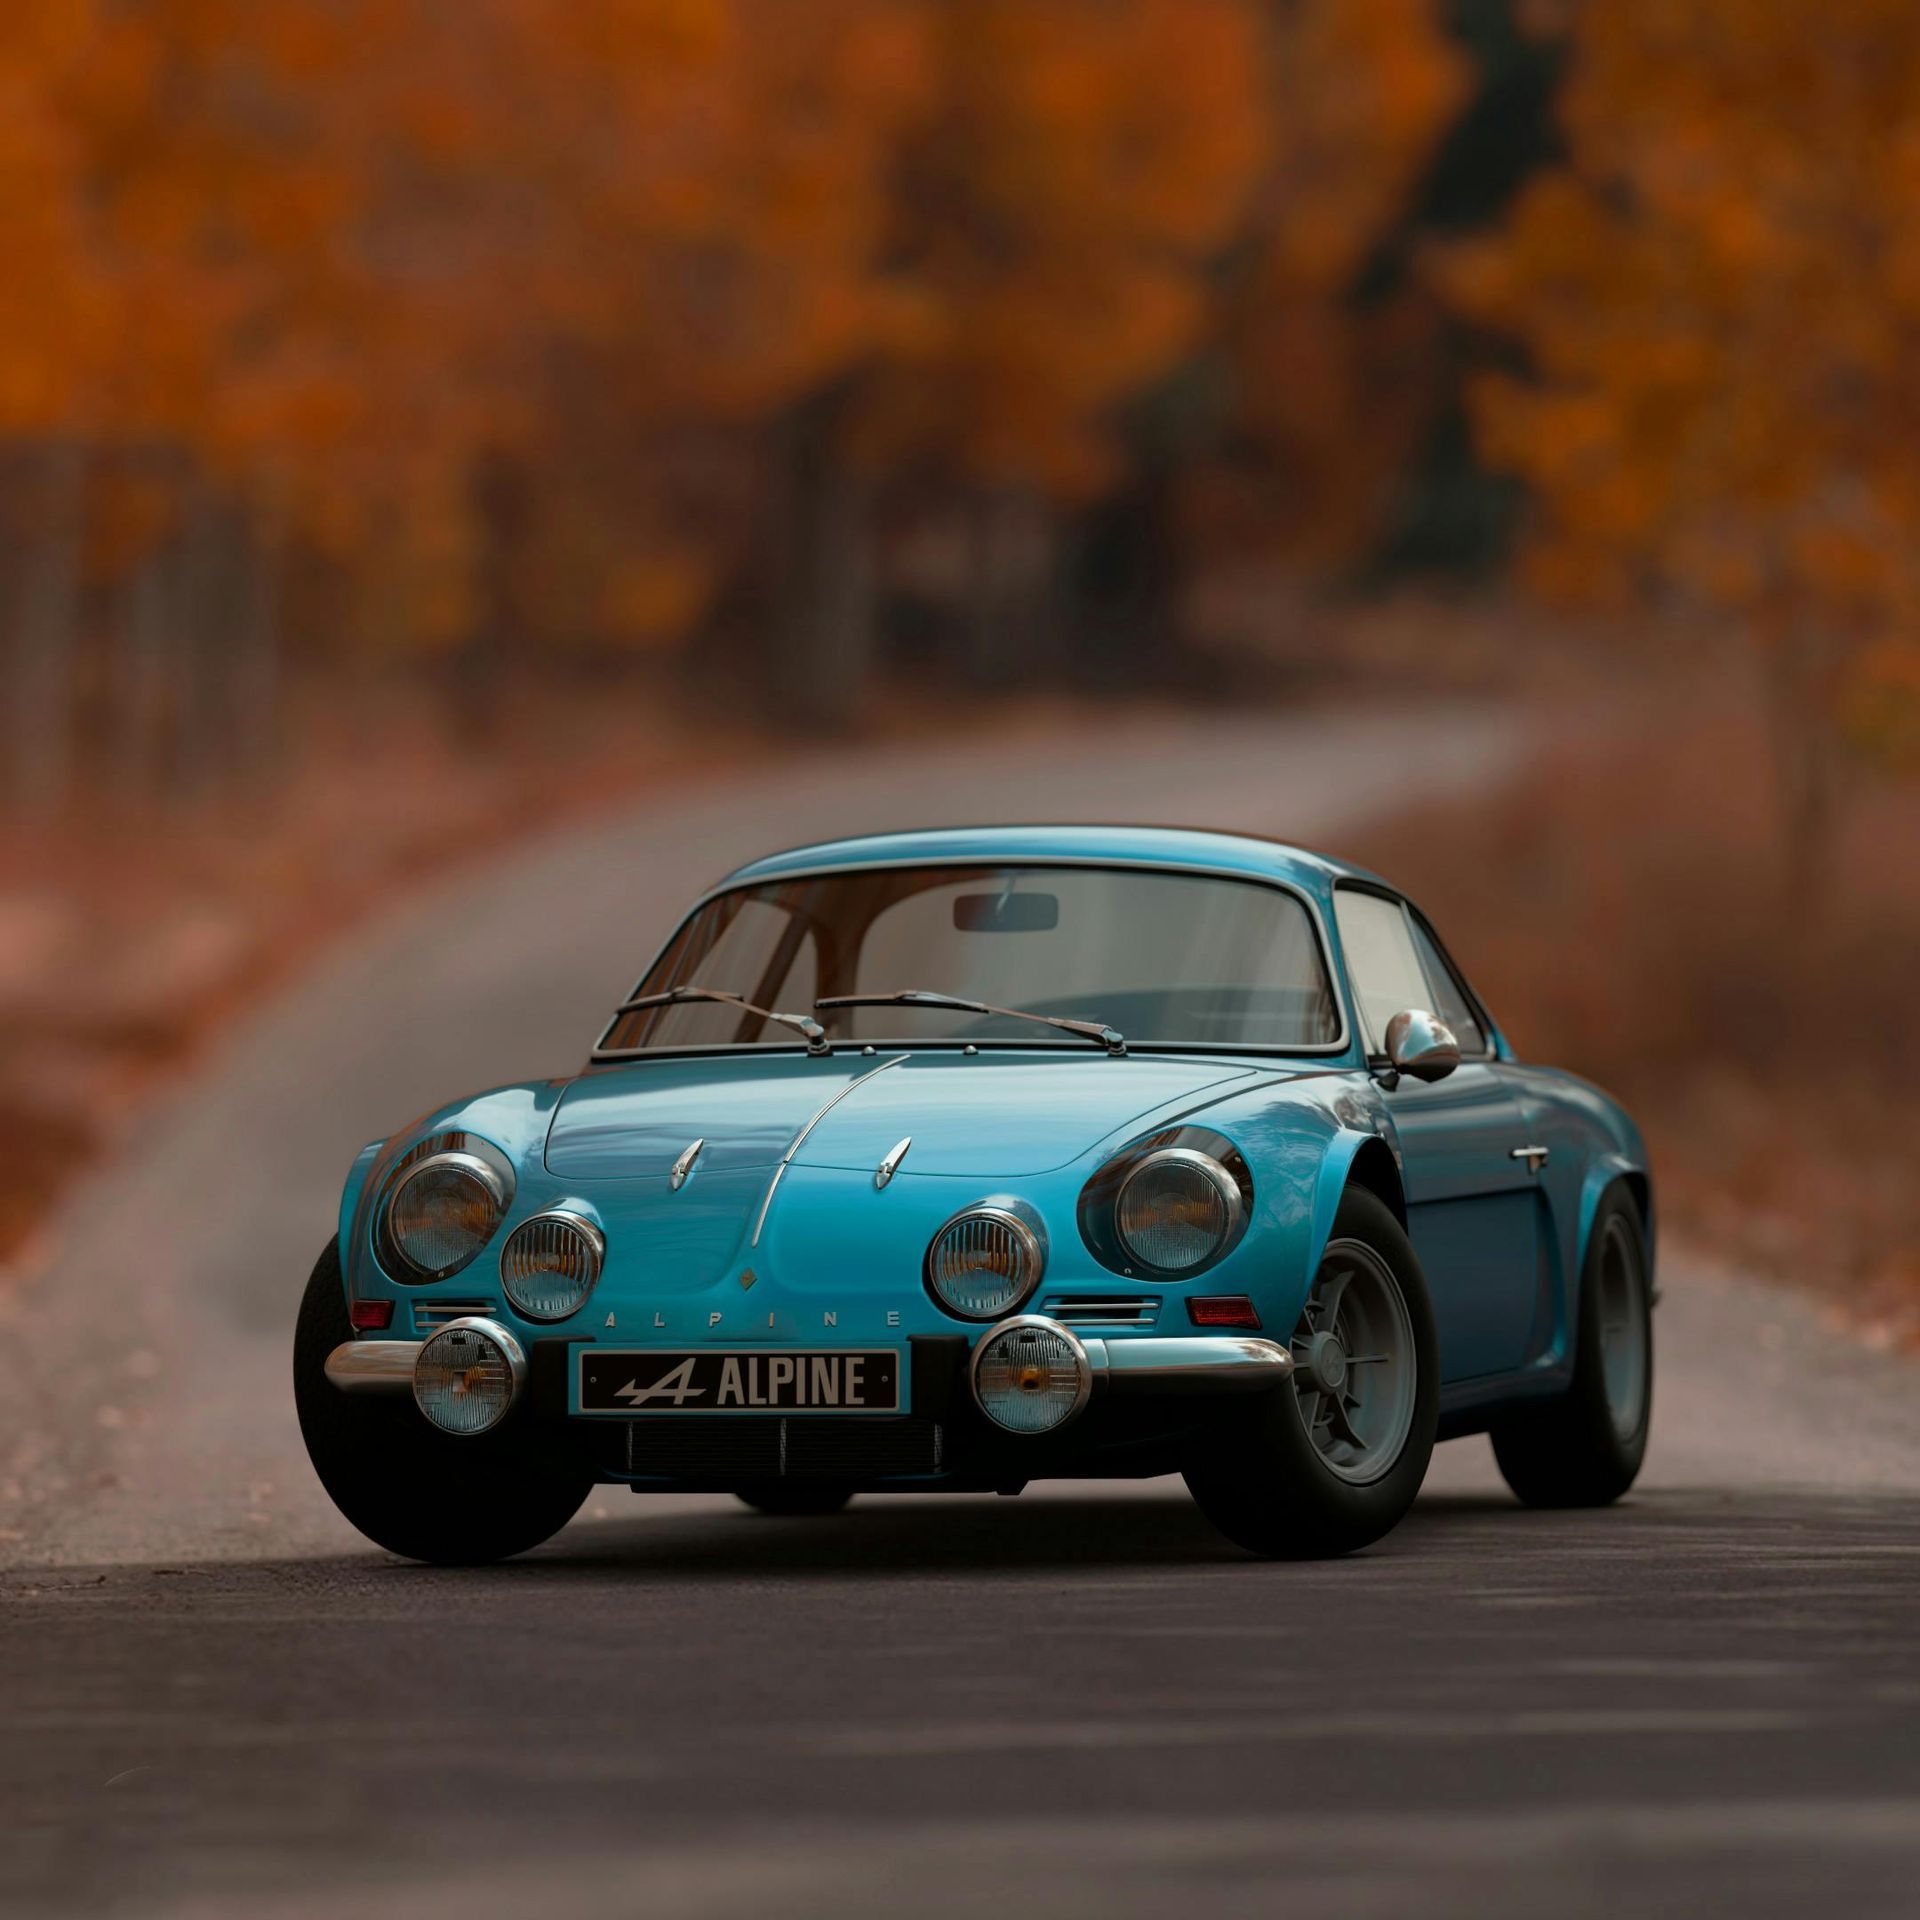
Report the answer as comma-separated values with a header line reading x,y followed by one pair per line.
x,y
1608,1173
1374,1167
1353,1159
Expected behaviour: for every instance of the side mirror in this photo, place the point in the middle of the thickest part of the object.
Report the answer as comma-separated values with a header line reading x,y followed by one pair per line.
x,y
1421,1044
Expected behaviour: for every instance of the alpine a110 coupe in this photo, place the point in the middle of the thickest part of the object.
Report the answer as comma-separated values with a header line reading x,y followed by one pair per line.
x,y
949,1161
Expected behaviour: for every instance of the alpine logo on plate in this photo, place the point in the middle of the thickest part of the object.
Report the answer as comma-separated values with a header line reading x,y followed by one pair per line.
x,y
760,1380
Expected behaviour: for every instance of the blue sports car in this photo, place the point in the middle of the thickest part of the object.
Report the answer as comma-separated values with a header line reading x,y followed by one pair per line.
x,y
947,1161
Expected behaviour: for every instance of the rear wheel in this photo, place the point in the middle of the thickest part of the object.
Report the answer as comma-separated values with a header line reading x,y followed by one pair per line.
x,y
789,1501
1584,1449
1334,1461
407,1486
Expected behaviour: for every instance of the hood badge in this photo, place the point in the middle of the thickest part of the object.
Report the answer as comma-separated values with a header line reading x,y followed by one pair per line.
x,y
887,1167
747,1278
684,1165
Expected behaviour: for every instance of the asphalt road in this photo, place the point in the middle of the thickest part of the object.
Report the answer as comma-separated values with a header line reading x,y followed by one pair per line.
x,y
215,1699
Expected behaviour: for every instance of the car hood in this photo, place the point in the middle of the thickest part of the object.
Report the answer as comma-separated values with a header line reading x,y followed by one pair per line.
x,y
991,1115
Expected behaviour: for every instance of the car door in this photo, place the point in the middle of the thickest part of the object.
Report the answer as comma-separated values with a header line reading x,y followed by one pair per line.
x,y
1471,1209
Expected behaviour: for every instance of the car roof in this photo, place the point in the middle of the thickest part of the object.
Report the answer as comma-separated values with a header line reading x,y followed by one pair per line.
x,y
1172,847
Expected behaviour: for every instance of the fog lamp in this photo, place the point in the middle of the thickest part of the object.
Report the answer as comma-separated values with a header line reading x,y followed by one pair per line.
x,y
1031,1375
468,1375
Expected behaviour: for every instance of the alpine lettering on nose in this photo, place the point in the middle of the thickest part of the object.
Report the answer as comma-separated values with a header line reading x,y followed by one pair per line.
x,y
759,1380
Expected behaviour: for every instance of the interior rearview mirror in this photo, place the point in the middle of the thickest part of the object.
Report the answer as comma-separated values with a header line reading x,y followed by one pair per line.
x,y
1006,912
1421,1044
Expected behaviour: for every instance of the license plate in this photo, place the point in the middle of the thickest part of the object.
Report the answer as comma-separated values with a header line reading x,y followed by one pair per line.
x,y
736,1380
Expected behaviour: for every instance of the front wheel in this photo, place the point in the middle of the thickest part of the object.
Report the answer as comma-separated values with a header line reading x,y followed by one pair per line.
x,y
1334,1461
408,1487
1584,1449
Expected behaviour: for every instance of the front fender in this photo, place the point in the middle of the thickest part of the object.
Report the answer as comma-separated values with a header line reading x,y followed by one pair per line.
x,y
513,1118
351,1196
1301,1141
1336,1173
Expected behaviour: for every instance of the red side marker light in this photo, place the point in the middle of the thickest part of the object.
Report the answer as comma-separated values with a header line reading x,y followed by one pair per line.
x,y
371,1316
1222,1310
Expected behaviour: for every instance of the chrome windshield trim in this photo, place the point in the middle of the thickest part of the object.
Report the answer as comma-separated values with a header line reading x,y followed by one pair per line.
x,y
799,1139
1318,1050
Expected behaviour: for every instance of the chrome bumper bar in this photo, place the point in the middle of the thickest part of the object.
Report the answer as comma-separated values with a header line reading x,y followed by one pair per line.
x,y
1216,1363
374,1366
1191,1363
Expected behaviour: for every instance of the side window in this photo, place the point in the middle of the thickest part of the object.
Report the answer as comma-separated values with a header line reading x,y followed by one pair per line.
x,y
1381,963
1450,1001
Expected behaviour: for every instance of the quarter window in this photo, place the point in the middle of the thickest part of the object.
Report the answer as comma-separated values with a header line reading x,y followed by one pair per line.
x,y
1381,963
1449,997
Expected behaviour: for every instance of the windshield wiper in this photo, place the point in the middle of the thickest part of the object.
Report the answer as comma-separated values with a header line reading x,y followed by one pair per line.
x,y
816,1034
1102,1036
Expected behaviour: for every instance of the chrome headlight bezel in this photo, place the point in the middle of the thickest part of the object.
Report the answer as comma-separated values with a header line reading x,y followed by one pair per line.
x,y
1187,1160
1022,1234
512,1360
1028,1326
593,1247
479,1161
1199,1149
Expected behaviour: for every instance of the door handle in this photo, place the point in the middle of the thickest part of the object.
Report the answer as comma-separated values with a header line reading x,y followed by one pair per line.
x,y
1535,1157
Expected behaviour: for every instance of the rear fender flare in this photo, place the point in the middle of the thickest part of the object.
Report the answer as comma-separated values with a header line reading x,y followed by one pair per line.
x,y
1605,1172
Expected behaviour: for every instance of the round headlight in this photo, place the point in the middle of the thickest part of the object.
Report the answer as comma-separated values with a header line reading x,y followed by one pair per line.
x,y
1031,1376
443,1211
983,1263
550,1263
1176,1209
468,1375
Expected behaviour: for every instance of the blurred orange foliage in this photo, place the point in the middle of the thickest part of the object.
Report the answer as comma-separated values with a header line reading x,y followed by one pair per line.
x,y
393,328
1718,298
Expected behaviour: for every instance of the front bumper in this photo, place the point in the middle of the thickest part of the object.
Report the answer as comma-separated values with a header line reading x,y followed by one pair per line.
x,y
1152,1364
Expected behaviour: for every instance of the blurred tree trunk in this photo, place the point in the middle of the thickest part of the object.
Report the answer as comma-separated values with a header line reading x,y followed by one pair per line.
x,y
1129,574
139,679
1010,627
823,623
43,623
200,650
503,507
1800,664
256,678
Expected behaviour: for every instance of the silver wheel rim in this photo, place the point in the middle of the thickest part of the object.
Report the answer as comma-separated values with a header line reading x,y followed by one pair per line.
x,y
1623,1331
1355,1369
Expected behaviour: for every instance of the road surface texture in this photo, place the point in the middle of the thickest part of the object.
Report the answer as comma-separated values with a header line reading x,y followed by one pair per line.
x,y
214,1699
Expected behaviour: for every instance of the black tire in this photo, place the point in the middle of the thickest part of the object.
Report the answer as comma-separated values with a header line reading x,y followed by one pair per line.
x,y
794,1500
408,1487
1570,1451
1262,1481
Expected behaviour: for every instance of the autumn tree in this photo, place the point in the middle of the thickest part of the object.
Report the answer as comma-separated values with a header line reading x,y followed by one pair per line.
x,y
56,321
1060,206
1337,369
1718,303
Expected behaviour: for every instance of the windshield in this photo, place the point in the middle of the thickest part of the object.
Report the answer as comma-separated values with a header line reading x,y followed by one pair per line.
x,y
1170,959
